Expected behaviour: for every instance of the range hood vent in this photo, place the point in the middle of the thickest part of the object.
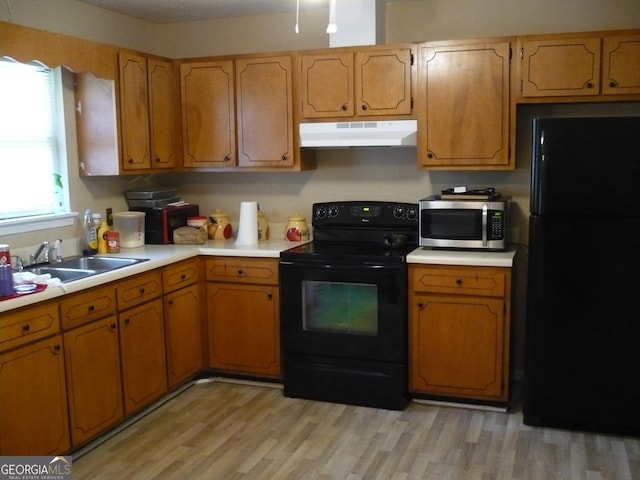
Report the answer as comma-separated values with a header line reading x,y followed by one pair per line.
x,y
394,133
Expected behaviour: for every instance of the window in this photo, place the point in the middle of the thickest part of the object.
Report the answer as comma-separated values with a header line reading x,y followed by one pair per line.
x,y
32,146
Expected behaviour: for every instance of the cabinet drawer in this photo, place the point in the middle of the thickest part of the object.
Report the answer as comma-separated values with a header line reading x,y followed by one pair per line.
x,y
262,271
139,289
181,275
88,306
479,281
28,324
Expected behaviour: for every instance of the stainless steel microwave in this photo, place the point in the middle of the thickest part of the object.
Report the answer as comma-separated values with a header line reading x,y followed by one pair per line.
x,y
464,223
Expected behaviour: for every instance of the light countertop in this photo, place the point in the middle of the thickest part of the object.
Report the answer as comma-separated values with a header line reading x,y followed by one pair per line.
x,y
159,256
433,256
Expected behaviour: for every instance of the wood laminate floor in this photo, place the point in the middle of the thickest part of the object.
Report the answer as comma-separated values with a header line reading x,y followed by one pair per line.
x,y
229,431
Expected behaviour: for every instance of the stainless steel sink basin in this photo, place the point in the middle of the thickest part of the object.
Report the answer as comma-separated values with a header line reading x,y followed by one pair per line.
x,y
102,264
75,268
64,274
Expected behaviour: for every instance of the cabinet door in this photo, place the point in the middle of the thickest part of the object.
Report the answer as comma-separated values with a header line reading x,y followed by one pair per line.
x,y
208,114
464,95
161,80
183,330
265,112
621,65
94,384
144,373
327,85
383,82
134,112
560,67
457,346
33,400
244,334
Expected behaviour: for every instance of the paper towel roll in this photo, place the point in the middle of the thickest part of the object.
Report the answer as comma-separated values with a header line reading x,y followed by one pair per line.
x,y
248,224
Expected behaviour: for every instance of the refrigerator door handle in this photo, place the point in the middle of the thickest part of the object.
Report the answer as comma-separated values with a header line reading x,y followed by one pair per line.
x,y
485,215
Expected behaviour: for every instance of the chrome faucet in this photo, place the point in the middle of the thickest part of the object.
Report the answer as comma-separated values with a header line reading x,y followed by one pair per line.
x,y
18,264
43,250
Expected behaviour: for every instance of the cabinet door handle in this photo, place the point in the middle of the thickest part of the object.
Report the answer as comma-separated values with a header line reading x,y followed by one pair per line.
x,y
157,159
170,302
269,295
141,290
112,326
26,327
127,321
344,107
364,107
283,158
420,305
130,160
57,348
227,158
183,277
613,84
458,281
430,154
589,85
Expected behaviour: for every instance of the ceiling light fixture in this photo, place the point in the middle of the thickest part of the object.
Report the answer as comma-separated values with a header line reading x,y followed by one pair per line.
x,y
332,27
297,15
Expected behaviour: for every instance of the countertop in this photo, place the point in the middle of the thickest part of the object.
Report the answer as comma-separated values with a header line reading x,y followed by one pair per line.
x,y
433,256
162,255
159,256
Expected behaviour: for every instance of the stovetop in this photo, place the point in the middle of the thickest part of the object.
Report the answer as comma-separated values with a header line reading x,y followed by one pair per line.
x,y
358,231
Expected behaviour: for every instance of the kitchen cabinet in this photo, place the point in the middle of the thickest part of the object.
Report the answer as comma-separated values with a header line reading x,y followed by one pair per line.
x,y
183,320
33,399
147,103
243,316
464,110
142,350
265,112
142,341
368,82
459,332
575,65
208,114
94,386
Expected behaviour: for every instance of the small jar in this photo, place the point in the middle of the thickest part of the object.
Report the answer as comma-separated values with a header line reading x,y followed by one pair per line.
x,y
263,226
5,254
113,241
200,222
296,229
224,230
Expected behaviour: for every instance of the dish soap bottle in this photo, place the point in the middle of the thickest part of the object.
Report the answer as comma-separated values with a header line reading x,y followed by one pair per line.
x,y
102,237
90,235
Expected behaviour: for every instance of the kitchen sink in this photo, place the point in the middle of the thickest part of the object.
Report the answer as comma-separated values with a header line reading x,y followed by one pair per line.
x,y
76,268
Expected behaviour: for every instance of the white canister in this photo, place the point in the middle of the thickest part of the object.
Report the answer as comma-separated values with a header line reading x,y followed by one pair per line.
x,y
130,226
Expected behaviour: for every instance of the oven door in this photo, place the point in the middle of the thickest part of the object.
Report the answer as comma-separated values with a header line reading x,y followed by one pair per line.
x,y
344,310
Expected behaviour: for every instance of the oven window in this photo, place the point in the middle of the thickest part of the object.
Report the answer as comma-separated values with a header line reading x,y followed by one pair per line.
x,y
336,307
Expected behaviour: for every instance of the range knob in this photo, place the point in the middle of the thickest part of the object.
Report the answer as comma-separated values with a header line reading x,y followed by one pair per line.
x,y
333,211
398,212
321,212
412,213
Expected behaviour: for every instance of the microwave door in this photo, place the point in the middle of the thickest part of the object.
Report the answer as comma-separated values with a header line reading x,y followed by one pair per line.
x,y
485,215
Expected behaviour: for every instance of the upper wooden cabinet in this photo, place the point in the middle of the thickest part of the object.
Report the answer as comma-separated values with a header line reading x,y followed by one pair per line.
x,y
208,114
463,105
265,112
576,66
147,112
370,82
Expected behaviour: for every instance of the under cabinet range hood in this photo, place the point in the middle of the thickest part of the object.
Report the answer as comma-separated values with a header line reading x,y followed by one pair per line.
x,y
393,133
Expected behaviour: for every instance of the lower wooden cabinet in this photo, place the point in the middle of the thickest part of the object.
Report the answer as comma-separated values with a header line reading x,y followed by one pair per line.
x,y
94,383
459,331
142,351
243,316
183,331
33,400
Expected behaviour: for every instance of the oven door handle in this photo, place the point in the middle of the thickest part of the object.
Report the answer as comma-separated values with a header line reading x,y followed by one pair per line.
x,y
485,216
340,266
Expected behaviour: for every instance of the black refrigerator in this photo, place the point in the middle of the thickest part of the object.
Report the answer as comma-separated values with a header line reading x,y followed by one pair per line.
x,y
582,341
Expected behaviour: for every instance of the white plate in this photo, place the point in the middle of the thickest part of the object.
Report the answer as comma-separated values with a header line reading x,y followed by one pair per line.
x,y
30,287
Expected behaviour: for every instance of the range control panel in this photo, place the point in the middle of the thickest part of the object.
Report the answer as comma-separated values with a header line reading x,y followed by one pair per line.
x,y
358,213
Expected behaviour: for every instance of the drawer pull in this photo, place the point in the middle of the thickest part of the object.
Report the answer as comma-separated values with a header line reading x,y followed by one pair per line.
x,y
141,290
112,326
240,272
183,277
458,281
26,327
91,308
57,348
170,302
269,295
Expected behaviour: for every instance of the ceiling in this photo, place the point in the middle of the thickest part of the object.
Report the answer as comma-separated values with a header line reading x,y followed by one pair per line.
x,y
170,11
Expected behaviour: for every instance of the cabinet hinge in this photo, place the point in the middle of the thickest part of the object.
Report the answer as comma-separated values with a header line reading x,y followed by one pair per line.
x,y
411,103
521,86
510,53
521,53
411,59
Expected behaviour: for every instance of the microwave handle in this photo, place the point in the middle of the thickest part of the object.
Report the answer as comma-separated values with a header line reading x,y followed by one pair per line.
x,y
485,215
